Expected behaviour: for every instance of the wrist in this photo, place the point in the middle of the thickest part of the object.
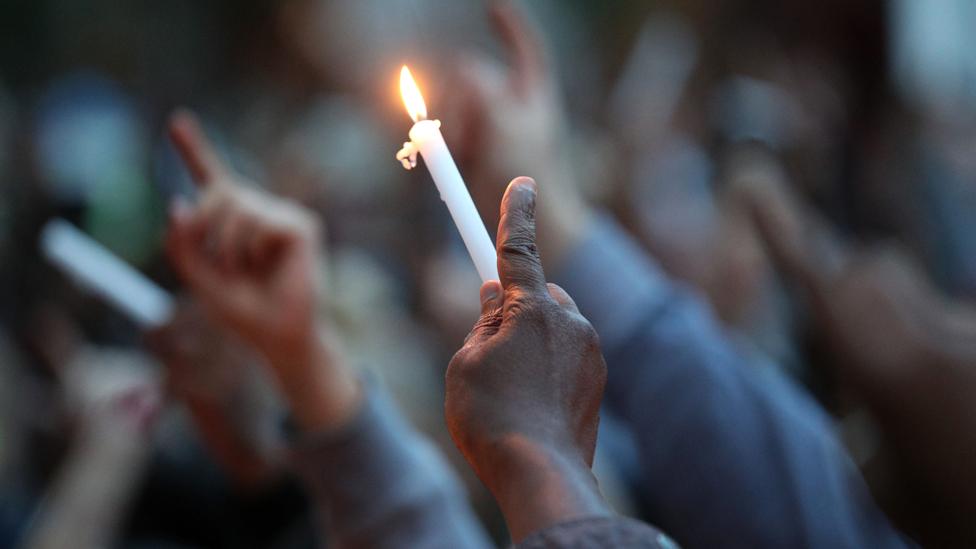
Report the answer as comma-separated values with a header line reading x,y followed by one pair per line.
x,y
321,390
538,485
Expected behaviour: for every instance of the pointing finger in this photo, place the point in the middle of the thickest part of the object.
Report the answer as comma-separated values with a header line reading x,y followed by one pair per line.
x,y
521,42
800,243
194,148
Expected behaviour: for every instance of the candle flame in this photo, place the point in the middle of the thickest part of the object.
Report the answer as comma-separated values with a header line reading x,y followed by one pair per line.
x,y
411,96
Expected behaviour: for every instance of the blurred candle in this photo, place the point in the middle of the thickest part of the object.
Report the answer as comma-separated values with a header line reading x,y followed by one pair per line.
x,y
101,271
426,139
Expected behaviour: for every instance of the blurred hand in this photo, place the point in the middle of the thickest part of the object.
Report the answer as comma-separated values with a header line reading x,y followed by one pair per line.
x,y
248,256
511,122
523,393
874,307
220,381
201,360
117,399
250,259
906,349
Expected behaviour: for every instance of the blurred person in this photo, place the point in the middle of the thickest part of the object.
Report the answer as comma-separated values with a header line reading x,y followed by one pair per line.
x,y
688,124
244,494
222,384
182,495
321,159
377,481
906,349
250,259
17,421
114,399
730,455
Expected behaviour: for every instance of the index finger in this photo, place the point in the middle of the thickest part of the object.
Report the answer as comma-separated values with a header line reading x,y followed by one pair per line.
x,y
521,42
800,242
194,148
519,265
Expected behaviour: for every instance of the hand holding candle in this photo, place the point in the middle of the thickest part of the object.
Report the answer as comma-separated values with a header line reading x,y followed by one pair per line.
x,y
426,139
522,396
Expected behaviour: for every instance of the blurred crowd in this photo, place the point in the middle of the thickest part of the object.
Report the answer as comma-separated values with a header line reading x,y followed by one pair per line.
x,y
805,169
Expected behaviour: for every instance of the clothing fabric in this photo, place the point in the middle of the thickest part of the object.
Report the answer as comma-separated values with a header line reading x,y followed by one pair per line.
x,y
732,454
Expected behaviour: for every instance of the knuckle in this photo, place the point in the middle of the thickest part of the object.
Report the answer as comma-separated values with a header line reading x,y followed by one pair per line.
x,y
581,331
527,307
587,333
491,319
459,359
520,244
465,360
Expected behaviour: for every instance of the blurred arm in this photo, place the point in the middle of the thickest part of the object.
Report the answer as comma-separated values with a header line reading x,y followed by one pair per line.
x,y
598,532
728,453
379,483
89,498
251,260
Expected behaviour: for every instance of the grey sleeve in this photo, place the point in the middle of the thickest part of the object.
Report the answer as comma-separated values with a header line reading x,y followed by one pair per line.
x,y
598,532
730,453
379,483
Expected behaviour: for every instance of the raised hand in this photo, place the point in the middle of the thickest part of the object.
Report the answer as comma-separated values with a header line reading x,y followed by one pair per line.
x,y
904,347
224,387
251,260
524,392
510,121
871,305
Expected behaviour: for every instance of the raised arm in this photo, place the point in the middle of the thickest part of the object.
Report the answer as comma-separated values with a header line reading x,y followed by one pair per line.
x,y
523,399
905,349
250,259
730,452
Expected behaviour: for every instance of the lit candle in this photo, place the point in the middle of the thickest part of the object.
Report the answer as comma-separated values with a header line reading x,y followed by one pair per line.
x,y
101,271
426,139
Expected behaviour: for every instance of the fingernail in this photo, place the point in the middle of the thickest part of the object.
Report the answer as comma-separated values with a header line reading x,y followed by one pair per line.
x,y
526,184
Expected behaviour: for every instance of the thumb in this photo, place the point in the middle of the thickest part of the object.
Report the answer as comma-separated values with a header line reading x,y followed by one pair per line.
x,y
519,264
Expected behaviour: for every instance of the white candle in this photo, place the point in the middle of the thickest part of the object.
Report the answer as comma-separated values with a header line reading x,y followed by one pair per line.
x,y
101,271
426,139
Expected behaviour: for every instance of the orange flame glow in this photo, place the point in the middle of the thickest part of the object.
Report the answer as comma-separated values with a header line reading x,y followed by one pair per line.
x,y
411,96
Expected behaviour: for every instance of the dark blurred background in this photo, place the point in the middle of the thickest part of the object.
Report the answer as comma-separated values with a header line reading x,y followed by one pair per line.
x,y
868,105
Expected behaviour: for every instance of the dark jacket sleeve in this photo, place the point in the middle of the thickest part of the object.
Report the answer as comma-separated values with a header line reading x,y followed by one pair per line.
x,y
732,454
379,483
